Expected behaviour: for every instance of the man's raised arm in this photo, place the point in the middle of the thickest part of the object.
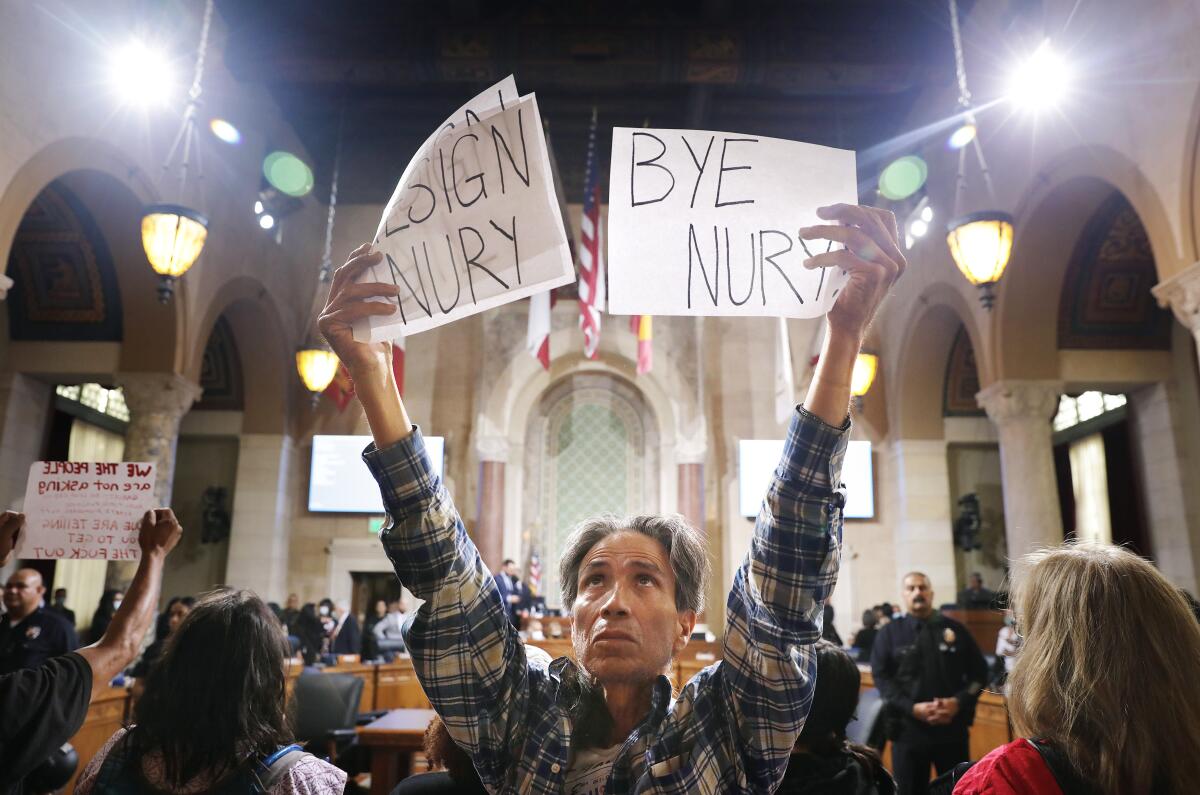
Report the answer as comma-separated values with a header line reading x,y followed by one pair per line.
x,y
774,608
467,656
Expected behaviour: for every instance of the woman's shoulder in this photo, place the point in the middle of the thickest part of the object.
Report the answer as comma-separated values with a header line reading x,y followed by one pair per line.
x,y
311,776
87,779
1013,769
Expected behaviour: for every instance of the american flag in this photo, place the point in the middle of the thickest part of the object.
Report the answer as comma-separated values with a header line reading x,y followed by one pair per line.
x,y
533,573
591,265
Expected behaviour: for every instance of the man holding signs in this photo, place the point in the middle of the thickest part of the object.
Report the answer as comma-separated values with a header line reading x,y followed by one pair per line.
x,y
609,723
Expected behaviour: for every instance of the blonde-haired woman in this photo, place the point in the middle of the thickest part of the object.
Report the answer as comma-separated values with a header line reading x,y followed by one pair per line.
x,y
1104,685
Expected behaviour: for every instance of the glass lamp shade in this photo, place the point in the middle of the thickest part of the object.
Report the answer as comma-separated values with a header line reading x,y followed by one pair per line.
x,y
981,244
317,367
173,237
864,374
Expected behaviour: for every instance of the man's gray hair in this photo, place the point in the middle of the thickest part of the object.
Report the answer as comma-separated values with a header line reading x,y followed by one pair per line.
x,y
684,545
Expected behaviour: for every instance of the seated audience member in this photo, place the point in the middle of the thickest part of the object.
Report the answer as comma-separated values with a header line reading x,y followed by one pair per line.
x,y
975,596
179,608
1008,642
825,762
370,646
606,720
388,632
864,639
451,770
291,613
325,615
312,636
346,637
44,707
30,634
213,717
59,605
1104,685
828,630
110,603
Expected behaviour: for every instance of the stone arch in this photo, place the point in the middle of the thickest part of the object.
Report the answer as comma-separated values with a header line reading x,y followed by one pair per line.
x,y
1049,221
919,372
113,189
1190,185
264,356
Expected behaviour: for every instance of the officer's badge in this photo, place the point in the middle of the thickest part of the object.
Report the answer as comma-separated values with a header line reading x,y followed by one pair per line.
x,y
32,632
949,636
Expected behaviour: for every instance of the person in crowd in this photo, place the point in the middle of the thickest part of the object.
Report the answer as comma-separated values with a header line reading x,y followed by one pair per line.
x,y
451,771
1104,687
370,645
44,707
30,634
513,592
59,605
975,596
824,762
110,603
346,635
162,623
864,639
213,717
326,617
179,608
311,633
389,633
1008,642
291,613
828,630
930,673
887,611
633,587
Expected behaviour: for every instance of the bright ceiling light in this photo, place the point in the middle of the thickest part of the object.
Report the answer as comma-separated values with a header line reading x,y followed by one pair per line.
x,y
258,207
918,228
927,214
225,131
1040,81
141,75
266,221
962,136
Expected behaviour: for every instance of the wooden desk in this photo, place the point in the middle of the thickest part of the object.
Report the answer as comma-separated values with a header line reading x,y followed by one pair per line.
x,y
392,741
396,686
105,715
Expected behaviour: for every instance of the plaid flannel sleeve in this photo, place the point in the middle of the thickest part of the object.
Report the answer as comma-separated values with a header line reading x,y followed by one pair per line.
x,y
466,654
775,606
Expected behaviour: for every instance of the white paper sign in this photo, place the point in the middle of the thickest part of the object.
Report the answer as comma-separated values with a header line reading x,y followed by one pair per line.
x,y
85,510
707,223
474,222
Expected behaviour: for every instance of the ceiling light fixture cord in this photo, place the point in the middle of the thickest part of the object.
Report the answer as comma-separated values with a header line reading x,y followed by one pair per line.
x,y
964,104
187,129
326,273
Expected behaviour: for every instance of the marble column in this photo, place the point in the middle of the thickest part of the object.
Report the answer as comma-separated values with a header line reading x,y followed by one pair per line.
x,y
260,528
489,508
923,537
25,407
1181,293
691,494
1021,412
157,402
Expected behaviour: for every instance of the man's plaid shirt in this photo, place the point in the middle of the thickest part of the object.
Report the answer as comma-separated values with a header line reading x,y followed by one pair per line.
x,y
732,727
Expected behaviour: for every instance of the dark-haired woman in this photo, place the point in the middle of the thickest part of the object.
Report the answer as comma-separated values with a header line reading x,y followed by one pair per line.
x,y
213,716
824,762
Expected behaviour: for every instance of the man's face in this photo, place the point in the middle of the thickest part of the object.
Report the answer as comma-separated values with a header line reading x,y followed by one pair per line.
x,y
624,624
511,570
23,592
293,602
918,595
976,582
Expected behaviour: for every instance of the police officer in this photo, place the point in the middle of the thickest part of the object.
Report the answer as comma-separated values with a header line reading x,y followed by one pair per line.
x,y
929,671
30,634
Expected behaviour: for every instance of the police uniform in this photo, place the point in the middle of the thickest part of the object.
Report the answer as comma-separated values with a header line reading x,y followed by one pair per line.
x,y
915,660
33,640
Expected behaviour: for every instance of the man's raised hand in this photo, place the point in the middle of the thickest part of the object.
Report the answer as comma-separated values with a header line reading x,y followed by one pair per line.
x,y
871,257
349,302
159,532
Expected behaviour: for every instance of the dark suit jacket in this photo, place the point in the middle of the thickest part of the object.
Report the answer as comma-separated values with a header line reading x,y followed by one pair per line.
x,y
349,638
505,584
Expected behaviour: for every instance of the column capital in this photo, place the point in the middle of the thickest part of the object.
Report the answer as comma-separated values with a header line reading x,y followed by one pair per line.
x,y
1016,401
1181,293
492,448
158,393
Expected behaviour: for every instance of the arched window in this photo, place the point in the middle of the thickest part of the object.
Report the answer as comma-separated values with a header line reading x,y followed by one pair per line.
x,y
592,448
